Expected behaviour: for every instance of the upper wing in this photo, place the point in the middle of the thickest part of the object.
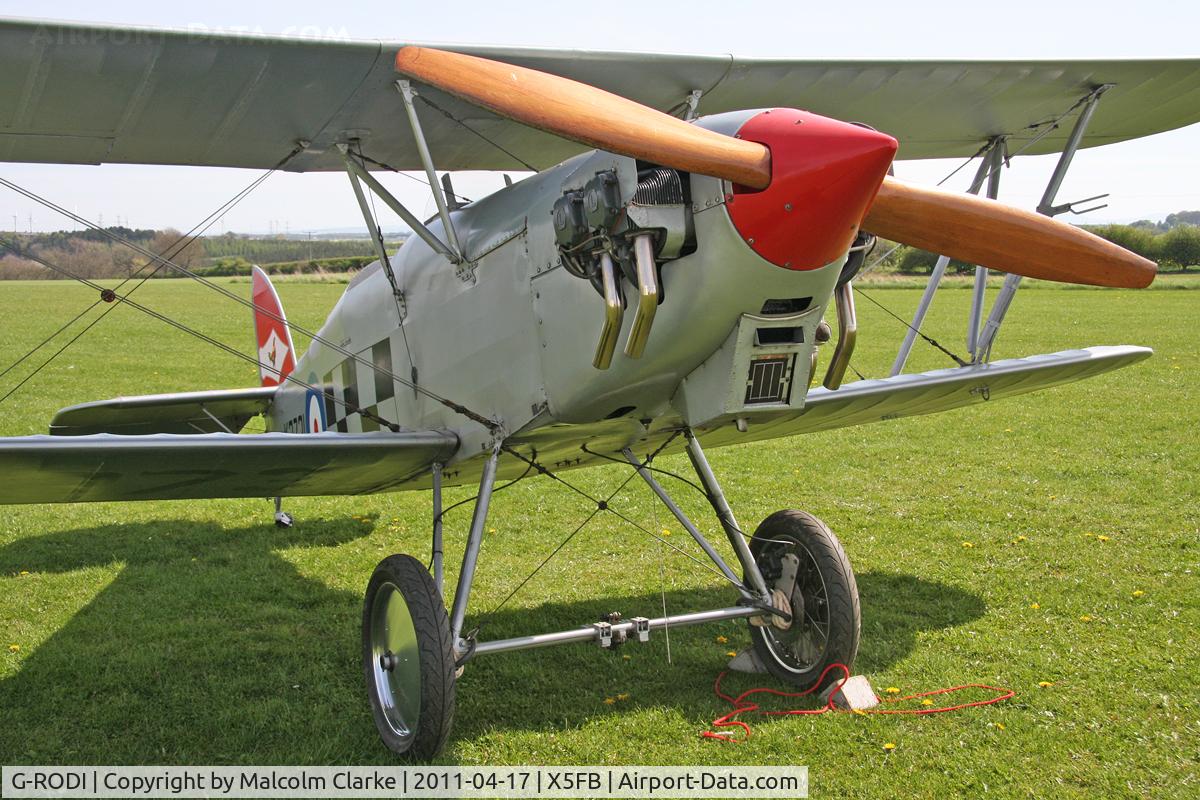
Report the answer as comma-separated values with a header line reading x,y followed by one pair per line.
x,y
54,469
185,412
92,94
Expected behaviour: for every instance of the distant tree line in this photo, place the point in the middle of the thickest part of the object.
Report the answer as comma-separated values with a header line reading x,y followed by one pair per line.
x,y
271,250
1174,243
93,254
90,254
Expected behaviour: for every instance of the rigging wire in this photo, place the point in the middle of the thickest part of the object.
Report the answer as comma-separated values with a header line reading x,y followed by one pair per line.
x,y
494,144
907,324
603,505
491,425
401,172
351,407
172,250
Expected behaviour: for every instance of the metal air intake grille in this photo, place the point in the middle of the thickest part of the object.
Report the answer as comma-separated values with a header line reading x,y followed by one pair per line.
x,y
770,380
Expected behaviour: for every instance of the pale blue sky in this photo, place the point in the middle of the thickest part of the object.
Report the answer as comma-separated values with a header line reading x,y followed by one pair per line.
x,y
1147,178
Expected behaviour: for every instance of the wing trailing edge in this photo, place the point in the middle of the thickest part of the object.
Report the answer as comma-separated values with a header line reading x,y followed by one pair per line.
x,y
220,411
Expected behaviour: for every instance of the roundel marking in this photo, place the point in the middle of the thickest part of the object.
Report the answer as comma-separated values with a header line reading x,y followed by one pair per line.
x,y
314,413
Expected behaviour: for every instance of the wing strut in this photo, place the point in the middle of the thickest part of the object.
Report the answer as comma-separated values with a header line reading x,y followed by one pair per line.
x,y
991,328
439,197
979,342
989,169
358,172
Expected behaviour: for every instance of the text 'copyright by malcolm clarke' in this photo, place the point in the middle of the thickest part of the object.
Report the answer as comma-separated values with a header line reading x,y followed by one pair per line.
x,y
598,782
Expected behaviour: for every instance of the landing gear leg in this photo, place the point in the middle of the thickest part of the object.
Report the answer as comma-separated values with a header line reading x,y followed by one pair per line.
x,y
282,518
412,650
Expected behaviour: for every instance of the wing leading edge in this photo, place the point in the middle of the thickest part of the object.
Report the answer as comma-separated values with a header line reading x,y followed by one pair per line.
x,y
100,467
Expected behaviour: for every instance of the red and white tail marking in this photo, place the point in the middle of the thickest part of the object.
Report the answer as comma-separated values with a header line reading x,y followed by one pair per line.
x,y
276,353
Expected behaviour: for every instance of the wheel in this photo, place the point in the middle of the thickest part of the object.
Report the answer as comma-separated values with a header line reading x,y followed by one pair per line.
x,y
408,659
800,556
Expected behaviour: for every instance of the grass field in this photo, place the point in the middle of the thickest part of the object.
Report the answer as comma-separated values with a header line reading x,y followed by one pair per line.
x,y
197,633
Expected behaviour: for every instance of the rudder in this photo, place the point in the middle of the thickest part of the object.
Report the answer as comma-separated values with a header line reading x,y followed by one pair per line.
x,y
276,353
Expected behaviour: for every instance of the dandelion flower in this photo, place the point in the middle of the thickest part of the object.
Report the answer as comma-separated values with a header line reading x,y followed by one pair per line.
x,y
926,702
608,701
491,530
666,531
625,657
23,572
1138,593
1101,538
967,545
1021,539
722,640
889,746
623,696
999,726
1089,534
892,690
14,648
1035,606
732,654
1085,618
1045,684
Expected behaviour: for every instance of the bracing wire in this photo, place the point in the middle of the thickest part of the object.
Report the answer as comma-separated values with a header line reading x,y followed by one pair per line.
x,y
491,425
170,251
351,407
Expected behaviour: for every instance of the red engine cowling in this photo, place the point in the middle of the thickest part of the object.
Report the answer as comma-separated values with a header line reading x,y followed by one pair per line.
x,y
824,175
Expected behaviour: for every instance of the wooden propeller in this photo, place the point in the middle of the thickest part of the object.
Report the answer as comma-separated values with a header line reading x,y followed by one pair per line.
x,y
967,228
1001,237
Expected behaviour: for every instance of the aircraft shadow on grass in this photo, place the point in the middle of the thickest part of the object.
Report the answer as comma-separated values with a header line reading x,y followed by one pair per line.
x,y
210,647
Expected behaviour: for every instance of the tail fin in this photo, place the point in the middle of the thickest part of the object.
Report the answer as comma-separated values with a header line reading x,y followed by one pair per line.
x,y
276,353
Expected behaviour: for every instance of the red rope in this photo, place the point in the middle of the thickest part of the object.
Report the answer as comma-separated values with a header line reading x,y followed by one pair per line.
x,y
742,706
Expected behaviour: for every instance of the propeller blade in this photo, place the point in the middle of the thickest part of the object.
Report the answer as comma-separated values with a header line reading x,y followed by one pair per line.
x,y
1001,237
964,227
589,115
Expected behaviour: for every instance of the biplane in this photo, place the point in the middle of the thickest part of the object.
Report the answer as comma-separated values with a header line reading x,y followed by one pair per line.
x,y
660,282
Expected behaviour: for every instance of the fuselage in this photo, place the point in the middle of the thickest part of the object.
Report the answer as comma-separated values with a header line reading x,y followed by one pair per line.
x,y
511,333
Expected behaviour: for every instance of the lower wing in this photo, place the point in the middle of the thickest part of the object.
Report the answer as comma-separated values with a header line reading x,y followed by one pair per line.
x,y
70,469
67,469
855,403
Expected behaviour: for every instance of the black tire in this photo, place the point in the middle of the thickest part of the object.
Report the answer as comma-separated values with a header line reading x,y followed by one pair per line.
x,y
406,641
799,655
